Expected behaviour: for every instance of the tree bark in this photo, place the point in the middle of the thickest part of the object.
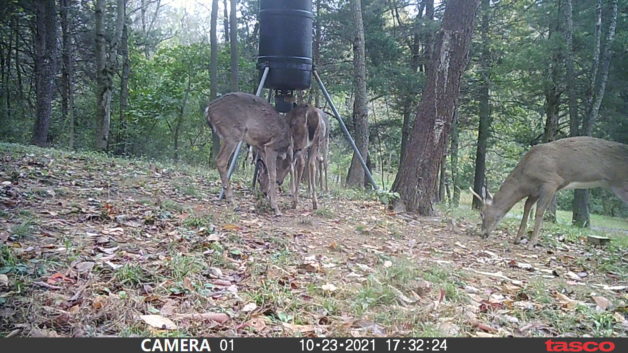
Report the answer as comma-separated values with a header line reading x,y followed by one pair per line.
x,y
180,117
105,64
225,20
417,175
484,130
453,154
601,62
570,78
45,68
233,42
552,101
213,74
355,176
67,96
124,89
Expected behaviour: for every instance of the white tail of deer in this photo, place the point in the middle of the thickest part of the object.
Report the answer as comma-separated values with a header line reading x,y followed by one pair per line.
x,y
239,117
571,163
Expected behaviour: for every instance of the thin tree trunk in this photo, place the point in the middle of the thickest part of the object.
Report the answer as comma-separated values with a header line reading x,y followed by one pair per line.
x,y
484,130
453,153
45,55
552,101
105,63
213,75
225,20
233,23
180,116
124,89
570,77
316,50
67,97
418,171
355,176
602,60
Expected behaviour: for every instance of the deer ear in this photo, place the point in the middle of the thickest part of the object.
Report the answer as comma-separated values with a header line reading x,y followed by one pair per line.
x,y
489,196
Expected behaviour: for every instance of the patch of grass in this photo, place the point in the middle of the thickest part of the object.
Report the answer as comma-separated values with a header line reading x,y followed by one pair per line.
x,y
204,221
171,206
448,280
538,291
361,229
24,229
9,262
188,188
324,212
305,222
130,274
181,266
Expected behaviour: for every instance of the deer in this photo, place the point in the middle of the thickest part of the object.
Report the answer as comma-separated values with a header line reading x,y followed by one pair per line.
x,y
245,117
306,127
571,163
323,155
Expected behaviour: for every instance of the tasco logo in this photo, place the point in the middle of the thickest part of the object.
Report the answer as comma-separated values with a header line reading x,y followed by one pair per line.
x,y
578,346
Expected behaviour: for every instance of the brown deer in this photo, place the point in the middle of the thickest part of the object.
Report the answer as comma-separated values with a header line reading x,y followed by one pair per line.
x,y
239,117
571,163
306,126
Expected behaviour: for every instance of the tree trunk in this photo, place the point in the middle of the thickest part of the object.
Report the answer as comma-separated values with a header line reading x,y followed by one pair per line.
x,y
124,89
213,75
225,20
180,116
453,153
484,130
316,50
417,175
355,176
45,68
67,96
570,77
552,101
233,23
105,62
602,60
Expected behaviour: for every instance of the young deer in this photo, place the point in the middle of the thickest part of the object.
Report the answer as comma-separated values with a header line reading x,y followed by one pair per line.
x,y
572,163
306,126
241,116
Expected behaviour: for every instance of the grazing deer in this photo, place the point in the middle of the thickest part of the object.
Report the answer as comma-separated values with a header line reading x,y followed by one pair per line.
x,y
571,163
306,126
241,116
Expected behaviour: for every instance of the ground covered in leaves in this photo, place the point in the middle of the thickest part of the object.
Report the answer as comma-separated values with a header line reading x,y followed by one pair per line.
x,y
96,246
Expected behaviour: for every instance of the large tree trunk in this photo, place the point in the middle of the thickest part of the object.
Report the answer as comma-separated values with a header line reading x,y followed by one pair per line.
x,y
418,170
67,96
484,130
213,74
233,35
105,62
355,177
45,55
601,64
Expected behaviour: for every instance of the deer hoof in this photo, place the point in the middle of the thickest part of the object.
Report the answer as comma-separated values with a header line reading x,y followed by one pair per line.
x,y
294,204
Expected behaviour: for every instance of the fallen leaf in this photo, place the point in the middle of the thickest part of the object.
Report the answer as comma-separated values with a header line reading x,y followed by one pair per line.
x,y
601,303
329,287
249,307
86,266
4,281
159,322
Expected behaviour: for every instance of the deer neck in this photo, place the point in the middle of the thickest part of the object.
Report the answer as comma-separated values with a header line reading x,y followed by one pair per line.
x,y
508,195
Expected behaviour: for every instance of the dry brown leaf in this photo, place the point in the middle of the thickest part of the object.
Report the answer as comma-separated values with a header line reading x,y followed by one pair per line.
x,y
601,303
86,266
159,322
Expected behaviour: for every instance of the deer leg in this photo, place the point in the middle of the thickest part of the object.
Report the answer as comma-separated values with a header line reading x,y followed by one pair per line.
x,y
524,221
312,179
547,193
222,163
270,156
300,164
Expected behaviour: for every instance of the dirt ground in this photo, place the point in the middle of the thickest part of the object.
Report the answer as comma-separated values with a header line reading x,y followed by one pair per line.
x,y
96,246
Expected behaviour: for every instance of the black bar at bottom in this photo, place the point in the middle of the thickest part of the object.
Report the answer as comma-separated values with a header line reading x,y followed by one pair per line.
x,y
292,345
